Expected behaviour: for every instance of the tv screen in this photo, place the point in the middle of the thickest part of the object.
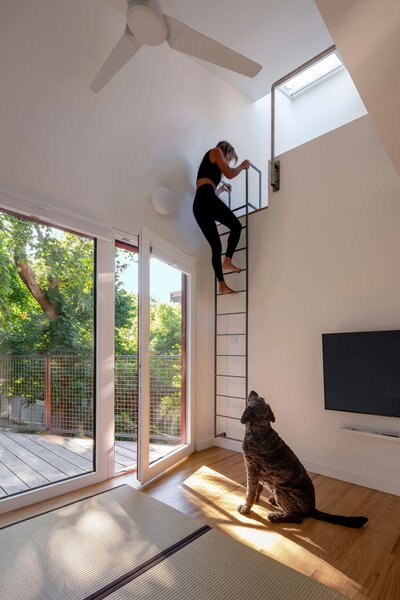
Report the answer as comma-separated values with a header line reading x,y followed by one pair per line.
x,y
362,372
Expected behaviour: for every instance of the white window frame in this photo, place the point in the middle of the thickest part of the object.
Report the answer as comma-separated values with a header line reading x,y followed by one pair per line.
x,y
104,348
150,244
313,83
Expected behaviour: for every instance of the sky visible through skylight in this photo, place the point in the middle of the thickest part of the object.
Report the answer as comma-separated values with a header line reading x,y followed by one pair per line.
x,y
313,74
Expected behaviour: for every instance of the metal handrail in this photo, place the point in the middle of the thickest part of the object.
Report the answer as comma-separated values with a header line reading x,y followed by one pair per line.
x,y
247,200
275,164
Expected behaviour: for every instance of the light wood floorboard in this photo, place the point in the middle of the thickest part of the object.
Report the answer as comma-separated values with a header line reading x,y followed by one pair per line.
x,y
362,564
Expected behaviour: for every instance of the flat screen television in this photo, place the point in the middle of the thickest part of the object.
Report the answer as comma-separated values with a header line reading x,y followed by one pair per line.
x,y
362,372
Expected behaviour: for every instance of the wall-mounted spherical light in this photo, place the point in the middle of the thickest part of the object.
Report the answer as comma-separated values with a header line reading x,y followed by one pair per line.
x,y
163,201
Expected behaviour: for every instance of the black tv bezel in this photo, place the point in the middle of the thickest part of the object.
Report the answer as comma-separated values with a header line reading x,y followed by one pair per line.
x,y
355,412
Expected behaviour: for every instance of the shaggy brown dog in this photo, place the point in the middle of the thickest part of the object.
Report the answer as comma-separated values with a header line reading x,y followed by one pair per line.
x,y
270,462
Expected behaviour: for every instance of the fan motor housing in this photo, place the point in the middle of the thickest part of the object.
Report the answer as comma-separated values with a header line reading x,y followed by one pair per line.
x,y
146,21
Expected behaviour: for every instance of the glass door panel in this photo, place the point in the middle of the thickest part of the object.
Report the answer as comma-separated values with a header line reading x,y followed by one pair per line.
x,y
126,357
166,387
167,359
47,354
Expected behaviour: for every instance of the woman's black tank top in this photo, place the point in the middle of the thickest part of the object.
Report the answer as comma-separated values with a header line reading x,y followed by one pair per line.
x,y
209,169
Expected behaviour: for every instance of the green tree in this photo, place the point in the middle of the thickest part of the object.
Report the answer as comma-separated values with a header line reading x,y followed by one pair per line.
x,y
46,290
165,328
47,295
126,306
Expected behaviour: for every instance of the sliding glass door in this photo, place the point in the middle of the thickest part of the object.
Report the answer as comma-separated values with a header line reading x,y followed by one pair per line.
x,y
50,370
167,359
166,312
47,354
126,364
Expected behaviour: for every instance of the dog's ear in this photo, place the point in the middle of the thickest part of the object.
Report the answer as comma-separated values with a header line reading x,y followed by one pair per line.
x,y
271,415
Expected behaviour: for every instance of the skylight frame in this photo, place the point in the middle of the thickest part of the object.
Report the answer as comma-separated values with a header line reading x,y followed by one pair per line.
x,y
316,81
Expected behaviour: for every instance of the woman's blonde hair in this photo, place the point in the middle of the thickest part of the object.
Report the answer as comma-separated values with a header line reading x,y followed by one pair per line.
x,y
227,148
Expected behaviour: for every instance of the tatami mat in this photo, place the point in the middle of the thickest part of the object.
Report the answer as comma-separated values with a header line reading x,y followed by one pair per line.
x,y
216,567
70,553
73,552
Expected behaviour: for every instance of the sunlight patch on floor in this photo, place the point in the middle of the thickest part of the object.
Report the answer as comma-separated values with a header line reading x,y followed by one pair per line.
x,y
217,498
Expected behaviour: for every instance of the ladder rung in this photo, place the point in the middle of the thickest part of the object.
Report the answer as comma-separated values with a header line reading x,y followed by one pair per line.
x,y
230,272
237,250
232,439
235,292
227,232
227,417
235,397
242,312
231,334
236,376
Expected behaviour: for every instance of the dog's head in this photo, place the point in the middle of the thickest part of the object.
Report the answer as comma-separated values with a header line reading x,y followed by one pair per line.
x,y
257,412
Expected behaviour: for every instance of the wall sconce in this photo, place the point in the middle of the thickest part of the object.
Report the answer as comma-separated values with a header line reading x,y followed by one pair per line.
x,y
163,201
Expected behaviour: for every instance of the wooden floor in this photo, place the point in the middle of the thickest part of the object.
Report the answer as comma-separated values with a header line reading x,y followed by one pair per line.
x,y
362,564
30,460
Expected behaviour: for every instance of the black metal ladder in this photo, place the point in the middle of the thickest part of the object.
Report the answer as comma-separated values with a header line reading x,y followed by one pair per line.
x,y
231,329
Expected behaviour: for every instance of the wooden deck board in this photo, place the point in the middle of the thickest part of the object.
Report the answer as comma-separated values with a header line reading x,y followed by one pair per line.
x,y
65,467
64,452
21,469
10,482
16,446
29,460
80,447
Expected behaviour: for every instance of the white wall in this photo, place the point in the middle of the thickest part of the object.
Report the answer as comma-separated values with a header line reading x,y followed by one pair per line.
x,y
367,34
325,258
100,156
320,110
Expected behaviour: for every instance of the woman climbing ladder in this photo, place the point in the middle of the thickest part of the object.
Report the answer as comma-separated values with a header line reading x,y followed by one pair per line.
x,y
209,208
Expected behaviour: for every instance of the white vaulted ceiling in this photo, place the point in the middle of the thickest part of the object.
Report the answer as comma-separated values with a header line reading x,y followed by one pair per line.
x,y
278,35
102,154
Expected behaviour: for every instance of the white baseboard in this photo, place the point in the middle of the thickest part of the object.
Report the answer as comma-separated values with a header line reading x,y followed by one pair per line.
x,y
202,445
390,487
228,444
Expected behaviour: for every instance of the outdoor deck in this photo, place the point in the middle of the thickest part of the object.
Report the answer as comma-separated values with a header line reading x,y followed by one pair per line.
x,y
29,460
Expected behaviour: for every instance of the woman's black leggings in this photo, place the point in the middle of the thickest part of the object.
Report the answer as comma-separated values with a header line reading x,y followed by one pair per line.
x,y
207,209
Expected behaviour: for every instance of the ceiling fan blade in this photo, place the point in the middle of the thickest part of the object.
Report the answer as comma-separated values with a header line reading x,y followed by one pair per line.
x,y
127,46
184,39
120,6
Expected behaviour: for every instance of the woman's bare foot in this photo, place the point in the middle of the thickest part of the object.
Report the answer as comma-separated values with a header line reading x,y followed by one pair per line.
x,y
228,266
225,289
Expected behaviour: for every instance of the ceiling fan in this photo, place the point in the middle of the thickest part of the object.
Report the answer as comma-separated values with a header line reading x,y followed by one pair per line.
x,y
146,24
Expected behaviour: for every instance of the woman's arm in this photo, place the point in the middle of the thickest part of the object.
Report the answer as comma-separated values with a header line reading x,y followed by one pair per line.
x,y
217,157
225,187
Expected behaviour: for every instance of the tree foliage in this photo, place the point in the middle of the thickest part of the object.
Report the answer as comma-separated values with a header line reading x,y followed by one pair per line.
x,y
47,295
47,298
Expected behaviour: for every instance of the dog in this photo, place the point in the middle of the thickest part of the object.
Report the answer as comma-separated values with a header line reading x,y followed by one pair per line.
x,y
271,463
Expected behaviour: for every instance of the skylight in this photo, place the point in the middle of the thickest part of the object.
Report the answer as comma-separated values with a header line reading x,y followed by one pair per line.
x,y
313,76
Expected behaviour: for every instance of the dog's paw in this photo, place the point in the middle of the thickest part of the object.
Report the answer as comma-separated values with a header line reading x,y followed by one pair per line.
x,y
244,509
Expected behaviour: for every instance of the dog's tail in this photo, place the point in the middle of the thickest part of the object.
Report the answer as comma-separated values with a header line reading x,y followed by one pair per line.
x,y
355,522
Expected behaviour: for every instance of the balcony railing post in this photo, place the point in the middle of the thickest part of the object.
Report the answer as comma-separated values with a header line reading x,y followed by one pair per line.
x,y
47,401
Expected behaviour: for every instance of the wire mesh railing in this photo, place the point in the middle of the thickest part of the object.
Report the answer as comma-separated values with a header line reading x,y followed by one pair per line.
x,y
55,393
